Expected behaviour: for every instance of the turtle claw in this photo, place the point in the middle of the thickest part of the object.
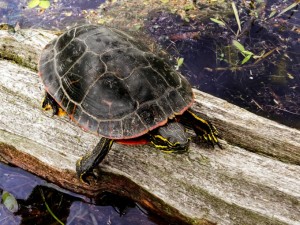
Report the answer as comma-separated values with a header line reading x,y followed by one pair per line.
x,y
86,177
209,139
212,140
86,165
83,179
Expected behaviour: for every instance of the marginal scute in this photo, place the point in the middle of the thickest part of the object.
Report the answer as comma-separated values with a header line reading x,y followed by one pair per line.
x,y
110,83
111,129
65,100
133,126
49,77
48,53
176,101
70,107
75,115
88,123
58,95
186,92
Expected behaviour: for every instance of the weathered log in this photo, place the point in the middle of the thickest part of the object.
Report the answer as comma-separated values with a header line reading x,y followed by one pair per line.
x,y
253,180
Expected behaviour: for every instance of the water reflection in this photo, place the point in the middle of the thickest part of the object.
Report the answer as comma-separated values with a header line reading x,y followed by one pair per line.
x,y
35,195
269,86
61,13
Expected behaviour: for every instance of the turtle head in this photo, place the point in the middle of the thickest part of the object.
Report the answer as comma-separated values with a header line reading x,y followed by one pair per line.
x,y
171,138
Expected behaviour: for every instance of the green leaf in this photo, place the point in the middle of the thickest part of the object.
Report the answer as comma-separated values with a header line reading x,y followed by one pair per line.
x,y
290,76
272,13
179,62
186,19
236,14
49,209
101,21
218,21
246,59
137,27
238,45
288,8
33,3
189,7
10,202
247,52
44,4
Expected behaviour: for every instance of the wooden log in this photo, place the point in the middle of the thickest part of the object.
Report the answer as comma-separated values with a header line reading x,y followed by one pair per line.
x,y
253,180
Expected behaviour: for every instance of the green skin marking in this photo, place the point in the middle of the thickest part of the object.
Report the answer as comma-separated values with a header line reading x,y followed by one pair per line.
x,y
168,138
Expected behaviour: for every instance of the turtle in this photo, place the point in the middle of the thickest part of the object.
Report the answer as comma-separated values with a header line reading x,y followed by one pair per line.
x,y
112,85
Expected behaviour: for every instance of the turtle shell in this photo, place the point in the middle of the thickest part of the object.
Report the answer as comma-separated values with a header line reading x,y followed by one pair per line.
x,y
111,84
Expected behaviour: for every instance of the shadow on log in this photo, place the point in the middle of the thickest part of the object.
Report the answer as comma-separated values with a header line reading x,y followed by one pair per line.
x,y
253,180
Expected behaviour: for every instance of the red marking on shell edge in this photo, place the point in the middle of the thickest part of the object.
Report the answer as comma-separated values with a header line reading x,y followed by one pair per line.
x,y
123,139
185,108
158,124
46,89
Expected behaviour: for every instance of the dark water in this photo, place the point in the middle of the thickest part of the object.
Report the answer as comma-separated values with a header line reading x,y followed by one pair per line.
x,y
270,88
33,194
58,16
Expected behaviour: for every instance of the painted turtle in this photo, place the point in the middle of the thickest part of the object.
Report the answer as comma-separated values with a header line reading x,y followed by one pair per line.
x,y
112,85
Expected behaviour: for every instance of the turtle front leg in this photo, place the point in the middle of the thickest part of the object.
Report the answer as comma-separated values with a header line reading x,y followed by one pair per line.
x,y
89,161
203,128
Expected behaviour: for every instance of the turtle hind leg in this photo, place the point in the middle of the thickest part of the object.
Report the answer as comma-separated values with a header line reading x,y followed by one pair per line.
x,y
49,103
203,128
88,162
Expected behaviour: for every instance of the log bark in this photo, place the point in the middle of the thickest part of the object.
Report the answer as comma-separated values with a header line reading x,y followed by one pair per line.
x,y
253,180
